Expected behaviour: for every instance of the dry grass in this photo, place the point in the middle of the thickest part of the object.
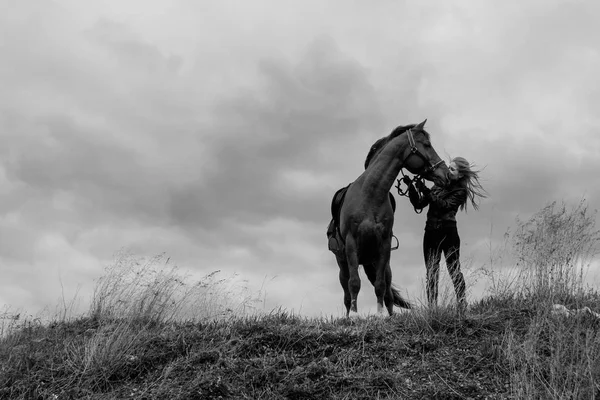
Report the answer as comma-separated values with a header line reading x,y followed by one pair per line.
x,y
270,356
150,289
154,334
552,357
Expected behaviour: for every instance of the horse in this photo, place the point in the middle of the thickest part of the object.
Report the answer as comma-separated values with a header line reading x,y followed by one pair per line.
x,y
366,216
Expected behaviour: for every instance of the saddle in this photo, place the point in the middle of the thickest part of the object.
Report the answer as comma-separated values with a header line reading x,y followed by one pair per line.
x,y
334,237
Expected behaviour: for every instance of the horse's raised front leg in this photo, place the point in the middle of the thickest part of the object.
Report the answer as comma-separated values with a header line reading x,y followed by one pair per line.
x,y
353,278
344,277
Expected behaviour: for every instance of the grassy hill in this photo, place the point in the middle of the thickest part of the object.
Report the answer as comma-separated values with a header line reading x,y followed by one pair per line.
x,y
135,343
505,348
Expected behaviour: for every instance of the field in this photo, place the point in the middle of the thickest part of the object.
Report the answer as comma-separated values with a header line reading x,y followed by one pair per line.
x,y
137,343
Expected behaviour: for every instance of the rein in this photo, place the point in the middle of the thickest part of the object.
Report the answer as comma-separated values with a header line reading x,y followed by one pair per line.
x,y
404,193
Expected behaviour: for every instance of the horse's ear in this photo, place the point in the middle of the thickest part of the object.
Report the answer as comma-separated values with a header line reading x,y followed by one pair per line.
x,y
421,125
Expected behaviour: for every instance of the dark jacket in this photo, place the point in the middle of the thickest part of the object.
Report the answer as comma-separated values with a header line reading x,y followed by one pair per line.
x,y
443,204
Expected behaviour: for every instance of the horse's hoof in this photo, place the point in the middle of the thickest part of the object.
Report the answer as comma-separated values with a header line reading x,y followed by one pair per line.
x,y
353,315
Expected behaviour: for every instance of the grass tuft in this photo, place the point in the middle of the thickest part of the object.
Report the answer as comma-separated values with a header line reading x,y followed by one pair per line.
x,y
152,290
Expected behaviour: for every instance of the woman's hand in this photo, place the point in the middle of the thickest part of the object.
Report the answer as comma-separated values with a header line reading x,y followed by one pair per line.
x,y
420,184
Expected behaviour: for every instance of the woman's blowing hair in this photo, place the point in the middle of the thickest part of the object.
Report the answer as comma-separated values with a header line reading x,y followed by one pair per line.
x,y
470,180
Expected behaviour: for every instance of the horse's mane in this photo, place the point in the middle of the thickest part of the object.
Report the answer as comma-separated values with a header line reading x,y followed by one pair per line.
x,y
381,142
400,130
374,149
403,128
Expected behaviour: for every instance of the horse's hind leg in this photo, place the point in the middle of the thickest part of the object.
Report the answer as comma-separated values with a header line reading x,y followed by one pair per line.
x,y
344,277
389,294
353,277
383,281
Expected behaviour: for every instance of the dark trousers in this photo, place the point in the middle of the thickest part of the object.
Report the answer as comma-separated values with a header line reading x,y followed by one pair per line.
x,y
435,242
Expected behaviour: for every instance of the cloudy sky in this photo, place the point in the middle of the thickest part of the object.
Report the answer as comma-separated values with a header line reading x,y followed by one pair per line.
x,y
218,131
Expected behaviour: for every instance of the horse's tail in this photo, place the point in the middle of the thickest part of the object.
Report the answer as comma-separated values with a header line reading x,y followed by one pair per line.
x,y
399,300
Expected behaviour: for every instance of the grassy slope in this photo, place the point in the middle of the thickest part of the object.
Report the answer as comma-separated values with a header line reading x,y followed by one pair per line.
x,y
276,356
509,346
410,356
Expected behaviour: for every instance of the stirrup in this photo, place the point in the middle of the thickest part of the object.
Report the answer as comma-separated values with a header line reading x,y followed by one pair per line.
x,y
397,243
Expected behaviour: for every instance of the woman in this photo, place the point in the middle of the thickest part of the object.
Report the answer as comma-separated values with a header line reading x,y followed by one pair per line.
x,y
441,233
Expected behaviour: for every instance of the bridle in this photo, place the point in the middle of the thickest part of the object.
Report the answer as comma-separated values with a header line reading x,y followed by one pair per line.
x,y
415,151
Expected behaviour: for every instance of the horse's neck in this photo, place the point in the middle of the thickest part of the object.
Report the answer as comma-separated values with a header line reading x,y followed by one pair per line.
x,y
382,172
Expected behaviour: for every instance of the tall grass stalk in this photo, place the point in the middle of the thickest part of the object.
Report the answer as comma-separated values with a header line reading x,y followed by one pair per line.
x,y
151,289
556,357
553,250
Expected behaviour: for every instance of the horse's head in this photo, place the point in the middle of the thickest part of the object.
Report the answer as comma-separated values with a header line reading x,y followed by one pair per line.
x,y
421,158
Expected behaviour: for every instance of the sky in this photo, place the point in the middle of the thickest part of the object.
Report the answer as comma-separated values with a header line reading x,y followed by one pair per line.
x,y
217,132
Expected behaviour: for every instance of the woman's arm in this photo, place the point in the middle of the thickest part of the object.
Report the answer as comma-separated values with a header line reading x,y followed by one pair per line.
x,y
419,201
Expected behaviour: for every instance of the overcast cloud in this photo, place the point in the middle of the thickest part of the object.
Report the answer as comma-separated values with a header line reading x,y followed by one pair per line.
x,y
217,132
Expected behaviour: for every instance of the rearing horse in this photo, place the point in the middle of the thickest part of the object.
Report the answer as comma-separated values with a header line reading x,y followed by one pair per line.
x,y
367,218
